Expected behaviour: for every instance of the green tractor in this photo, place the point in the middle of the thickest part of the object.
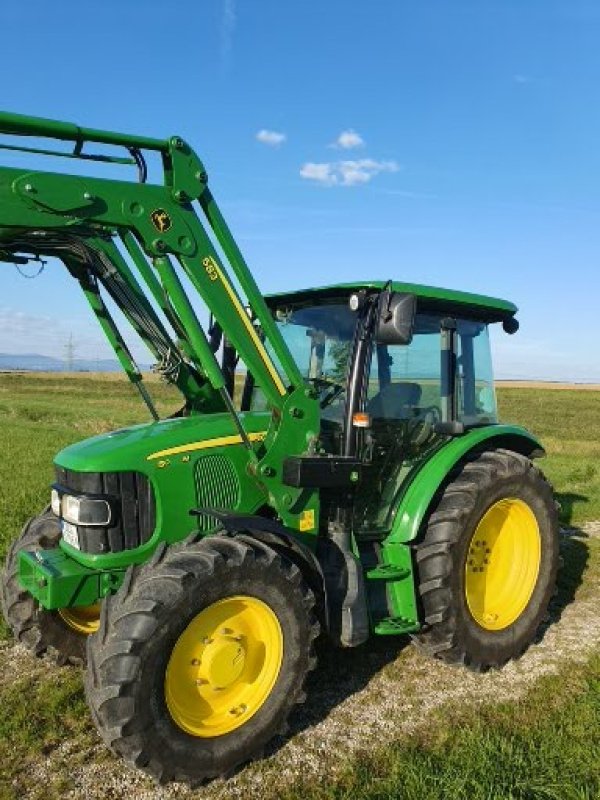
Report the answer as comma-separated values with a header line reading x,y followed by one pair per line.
x,y
337,469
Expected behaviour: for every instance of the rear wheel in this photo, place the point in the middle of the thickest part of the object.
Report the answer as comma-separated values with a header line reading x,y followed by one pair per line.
x,y
200,657
487,561
62,634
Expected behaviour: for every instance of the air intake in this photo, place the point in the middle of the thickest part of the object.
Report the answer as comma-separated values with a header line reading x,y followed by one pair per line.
x,y
217,486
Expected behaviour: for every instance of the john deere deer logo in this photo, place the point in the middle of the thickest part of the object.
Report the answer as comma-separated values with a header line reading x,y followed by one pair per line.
x,y
161,220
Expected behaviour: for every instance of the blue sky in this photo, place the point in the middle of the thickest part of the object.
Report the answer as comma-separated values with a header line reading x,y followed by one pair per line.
x,y
469,153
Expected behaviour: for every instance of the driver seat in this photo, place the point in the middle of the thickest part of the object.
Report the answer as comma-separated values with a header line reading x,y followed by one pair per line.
x,y
395,401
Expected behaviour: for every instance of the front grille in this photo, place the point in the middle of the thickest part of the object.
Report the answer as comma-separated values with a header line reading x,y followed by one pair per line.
x,y
134,503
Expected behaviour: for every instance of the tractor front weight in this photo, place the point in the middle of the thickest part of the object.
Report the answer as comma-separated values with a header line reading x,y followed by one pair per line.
x,y
56,580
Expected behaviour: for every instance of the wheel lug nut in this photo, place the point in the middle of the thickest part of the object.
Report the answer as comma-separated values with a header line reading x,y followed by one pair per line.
x,y
195,662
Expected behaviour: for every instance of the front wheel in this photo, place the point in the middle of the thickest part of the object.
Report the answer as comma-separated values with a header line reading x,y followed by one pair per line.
x,y
62,634
200,657
487,561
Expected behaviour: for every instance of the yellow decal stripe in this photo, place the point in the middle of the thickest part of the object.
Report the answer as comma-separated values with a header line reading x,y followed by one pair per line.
x,y
220,441
251,330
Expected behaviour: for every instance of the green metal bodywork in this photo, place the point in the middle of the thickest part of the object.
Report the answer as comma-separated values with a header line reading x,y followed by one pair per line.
x,y
158,228
141,448
420,491
490,309
68,577
412,508
58,581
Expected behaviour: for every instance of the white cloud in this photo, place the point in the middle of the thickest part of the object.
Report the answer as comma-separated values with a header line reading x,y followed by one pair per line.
x,y
349,139
346,173
322,173
271,138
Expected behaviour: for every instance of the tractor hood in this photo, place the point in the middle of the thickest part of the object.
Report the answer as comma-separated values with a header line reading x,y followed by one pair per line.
x,y
142,447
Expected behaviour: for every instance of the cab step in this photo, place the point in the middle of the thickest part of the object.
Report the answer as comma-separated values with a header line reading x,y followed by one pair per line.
x,y
394,626
387,572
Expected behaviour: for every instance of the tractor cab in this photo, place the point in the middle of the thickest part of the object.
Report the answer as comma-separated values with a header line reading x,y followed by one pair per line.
x,y
390,403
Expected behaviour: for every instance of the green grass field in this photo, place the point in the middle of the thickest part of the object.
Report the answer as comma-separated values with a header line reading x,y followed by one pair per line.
x,y
545,744
568,423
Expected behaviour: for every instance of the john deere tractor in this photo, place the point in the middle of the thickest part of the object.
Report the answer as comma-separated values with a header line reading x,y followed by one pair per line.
x,y
337,469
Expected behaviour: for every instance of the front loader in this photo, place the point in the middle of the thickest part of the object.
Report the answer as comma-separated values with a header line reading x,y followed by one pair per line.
x,y
337,469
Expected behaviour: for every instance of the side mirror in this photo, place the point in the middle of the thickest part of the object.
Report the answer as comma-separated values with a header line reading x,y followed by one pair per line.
x,y
396,318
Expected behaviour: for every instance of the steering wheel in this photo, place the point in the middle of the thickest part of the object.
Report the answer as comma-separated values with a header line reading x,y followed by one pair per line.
x,y
322,383
421,429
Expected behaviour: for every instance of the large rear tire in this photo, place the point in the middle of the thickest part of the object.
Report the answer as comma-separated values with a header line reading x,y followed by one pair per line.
x,y
487,562
62,634
200,657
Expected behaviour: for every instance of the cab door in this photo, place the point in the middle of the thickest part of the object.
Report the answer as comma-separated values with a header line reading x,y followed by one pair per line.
x,y
403,396
403,400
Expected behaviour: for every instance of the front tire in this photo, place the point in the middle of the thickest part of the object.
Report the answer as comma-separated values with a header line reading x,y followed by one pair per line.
x,y
487,562
201,656
62,634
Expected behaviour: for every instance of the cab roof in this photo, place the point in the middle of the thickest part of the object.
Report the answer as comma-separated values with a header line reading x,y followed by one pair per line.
x,y
430,298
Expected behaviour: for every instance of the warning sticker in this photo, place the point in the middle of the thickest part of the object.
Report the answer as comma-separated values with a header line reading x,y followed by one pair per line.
x,y
307,520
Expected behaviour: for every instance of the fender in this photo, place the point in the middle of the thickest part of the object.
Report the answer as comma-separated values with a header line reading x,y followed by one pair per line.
x,y
282,540
418,496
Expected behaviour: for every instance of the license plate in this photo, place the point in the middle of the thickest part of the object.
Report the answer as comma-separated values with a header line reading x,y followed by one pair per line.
x,y
70,534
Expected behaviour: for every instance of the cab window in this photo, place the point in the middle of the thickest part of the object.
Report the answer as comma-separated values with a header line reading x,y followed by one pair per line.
x,y
403,399
476,397
405,380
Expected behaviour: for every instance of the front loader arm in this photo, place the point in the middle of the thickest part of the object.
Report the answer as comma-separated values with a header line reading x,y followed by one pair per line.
x,y
159,223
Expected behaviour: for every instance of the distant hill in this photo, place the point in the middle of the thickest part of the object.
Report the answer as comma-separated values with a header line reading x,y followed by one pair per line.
x,y
38,363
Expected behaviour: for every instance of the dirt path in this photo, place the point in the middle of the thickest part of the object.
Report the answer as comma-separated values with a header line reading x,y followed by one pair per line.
x,y
357,701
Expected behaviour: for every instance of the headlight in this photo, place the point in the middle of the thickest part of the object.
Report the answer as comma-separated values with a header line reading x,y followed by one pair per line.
x,y
55,502
85,511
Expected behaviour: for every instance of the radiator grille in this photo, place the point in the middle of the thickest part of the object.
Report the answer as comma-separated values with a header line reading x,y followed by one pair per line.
x,y
136,518
217,486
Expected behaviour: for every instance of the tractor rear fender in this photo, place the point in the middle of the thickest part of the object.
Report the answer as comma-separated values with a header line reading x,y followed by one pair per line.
x,y
432,476
283,541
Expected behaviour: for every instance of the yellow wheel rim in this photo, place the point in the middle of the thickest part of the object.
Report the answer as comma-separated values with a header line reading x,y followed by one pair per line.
x,y
224,666
502,564
83,619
